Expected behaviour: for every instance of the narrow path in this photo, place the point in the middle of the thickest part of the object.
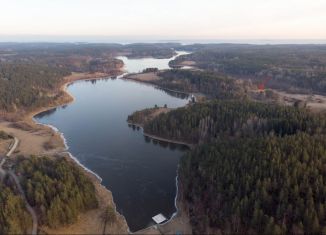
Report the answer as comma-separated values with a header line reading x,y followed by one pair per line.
x,y
13,148
20,189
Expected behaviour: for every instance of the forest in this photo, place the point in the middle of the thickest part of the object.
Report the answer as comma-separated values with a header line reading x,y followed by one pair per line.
x,y
208,83
256,169
14,218
290,67
77,55
202,122
31,72
27,85
56,188
258,185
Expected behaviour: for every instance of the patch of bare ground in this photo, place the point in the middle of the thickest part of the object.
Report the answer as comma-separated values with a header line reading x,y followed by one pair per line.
x,y
34,138
188,63
143,77
315,103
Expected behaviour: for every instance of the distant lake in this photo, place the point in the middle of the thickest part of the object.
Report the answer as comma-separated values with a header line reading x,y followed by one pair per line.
x,y
138,65
141,173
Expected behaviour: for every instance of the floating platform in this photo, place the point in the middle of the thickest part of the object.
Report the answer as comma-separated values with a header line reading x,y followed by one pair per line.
x,y
159,218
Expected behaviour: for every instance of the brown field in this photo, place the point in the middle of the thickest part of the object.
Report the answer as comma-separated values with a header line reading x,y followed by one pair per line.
x,y
315,103
188,63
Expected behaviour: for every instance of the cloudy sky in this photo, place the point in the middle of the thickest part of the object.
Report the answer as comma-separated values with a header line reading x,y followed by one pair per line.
x,y
173,19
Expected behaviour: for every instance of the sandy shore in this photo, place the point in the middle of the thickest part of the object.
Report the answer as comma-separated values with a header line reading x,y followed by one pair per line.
x,y
36,139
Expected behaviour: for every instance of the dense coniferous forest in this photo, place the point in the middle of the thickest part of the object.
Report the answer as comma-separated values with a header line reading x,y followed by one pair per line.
x,y
209,83
14,218
202,122
269,185
258,169
291,67
27,86
58,189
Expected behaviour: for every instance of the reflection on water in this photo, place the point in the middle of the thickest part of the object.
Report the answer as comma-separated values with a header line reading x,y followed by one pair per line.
x,y
163,144
139,171
177,94
47,113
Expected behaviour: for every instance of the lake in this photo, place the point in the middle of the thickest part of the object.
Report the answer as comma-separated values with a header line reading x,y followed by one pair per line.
x,y
138,65
141,173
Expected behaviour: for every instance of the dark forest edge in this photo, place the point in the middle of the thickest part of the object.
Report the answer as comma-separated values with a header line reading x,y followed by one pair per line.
x,y
56,188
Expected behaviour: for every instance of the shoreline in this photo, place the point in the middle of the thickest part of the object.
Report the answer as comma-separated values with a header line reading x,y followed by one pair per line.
x,y
71,99
68,98
154,137
180,213
63,148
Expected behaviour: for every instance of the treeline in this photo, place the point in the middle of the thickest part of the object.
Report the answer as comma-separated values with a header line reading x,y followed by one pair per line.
x,y
156,50
27,85
150,70
270,185
257,168
58,189
203,122
208,83
14,218
290,67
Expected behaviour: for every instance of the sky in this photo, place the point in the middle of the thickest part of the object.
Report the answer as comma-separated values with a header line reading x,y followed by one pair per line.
x,y
165,19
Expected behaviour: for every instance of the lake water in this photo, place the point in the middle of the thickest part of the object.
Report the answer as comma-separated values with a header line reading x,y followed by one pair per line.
x,y
140,173
138,65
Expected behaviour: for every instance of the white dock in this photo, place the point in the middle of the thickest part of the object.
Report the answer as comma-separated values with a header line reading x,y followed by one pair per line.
x,y
159,218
